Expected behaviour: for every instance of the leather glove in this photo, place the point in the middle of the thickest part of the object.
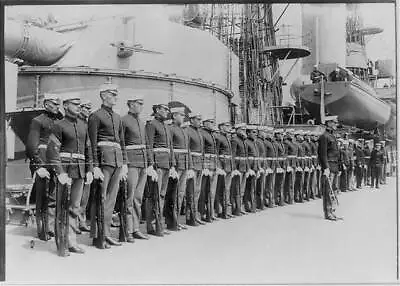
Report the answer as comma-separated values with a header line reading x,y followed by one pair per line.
x,y
235,173
327,172
172,173
124,172
98,174
289,169
262,170
89,178
306,169
43,173
64,179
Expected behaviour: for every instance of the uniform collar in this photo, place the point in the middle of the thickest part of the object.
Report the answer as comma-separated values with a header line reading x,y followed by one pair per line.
x,y
136,115
70,117
50,114
81,116
106,108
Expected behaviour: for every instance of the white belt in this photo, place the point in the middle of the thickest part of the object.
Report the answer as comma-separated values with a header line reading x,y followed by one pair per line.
x,y
42,146
241,158
281,159
196,153
135,147
161,149
109,143
72,155
315,157
251,158
225,156
291,156
259,158
367,157
181,151
210,155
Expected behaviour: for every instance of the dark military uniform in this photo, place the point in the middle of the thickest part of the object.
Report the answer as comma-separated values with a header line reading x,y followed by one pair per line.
x,y
307,169
292,161
195,141
313,171
260,183
160,156
108,146
225,162
270,169
69,152
86,188
135,141
350,169
249,201
328,154
239,153
367,167
344,164
376,162
299,180
208,185
359,165
280,172
183,161
36,146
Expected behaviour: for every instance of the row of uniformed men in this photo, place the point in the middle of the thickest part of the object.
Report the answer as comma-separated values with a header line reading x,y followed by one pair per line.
x,y
220,173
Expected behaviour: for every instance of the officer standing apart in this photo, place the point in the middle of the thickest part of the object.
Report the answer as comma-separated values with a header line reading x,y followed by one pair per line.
x,y
86,108
328,153
270,167
109,157
359,163
36,146
135,141
70,155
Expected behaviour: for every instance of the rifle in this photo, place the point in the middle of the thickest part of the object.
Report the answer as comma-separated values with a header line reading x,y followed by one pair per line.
x,y
331,193
42,207
62,218
98,213
123,196
153,206
171,204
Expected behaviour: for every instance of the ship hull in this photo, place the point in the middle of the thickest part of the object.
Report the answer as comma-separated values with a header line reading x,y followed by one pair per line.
x,y
355,106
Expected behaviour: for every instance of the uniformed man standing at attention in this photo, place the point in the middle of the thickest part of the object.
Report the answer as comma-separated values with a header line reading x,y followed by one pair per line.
x,y
270,167
241,166
225,163
135,141
314,164
196,153
376,163
367,167
210,170
160,155
359,163
260,182
109,158
36,146
291,150
86,109
300,168
281,167
328,154
307,165
251,175
183,160
69,154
